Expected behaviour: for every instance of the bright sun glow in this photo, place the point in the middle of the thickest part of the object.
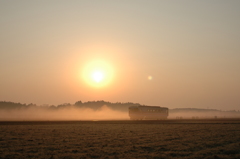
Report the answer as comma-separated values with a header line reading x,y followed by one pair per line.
x,y
97,73
98,76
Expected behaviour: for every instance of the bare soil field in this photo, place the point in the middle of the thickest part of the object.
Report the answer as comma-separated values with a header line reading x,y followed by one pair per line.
x,y
121,139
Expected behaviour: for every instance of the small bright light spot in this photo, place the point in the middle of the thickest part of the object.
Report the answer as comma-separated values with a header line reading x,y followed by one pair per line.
x,y
150,78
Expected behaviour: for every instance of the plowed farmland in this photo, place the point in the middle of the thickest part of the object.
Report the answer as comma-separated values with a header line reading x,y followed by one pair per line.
x,y
121,139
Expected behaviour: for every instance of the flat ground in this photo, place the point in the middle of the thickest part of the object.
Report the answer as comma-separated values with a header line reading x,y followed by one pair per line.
x,y
218,138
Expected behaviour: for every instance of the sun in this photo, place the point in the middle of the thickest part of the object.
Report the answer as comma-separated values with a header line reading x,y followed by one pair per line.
x,y
97,76
97,73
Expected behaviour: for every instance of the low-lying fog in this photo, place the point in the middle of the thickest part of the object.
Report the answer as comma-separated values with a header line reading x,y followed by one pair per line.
x,y
69,113
103,113
202,115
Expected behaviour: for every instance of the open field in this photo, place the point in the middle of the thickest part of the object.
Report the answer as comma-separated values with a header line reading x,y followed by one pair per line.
x,y
219,138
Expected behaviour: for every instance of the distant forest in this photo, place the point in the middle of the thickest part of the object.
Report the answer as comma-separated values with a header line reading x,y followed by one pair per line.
x,y
96,105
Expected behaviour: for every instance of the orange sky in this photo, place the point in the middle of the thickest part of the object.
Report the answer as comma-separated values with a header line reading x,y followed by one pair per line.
x,y
189,48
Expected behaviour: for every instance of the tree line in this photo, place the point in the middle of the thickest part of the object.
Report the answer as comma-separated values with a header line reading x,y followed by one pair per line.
x,y
95,105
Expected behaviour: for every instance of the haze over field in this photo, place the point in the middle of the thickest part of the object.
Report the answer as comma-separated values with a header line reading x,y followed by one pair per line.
x,y
98,110
176,54
70,113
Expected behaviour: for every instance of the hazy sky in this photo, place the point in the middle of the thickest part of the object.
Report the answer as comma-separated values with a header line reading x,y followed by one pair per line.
x,y
191,50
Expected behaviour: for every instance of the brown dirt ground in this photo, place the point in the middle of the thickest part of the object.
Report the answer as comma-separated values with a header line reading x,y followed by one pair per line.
x,y
121,139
